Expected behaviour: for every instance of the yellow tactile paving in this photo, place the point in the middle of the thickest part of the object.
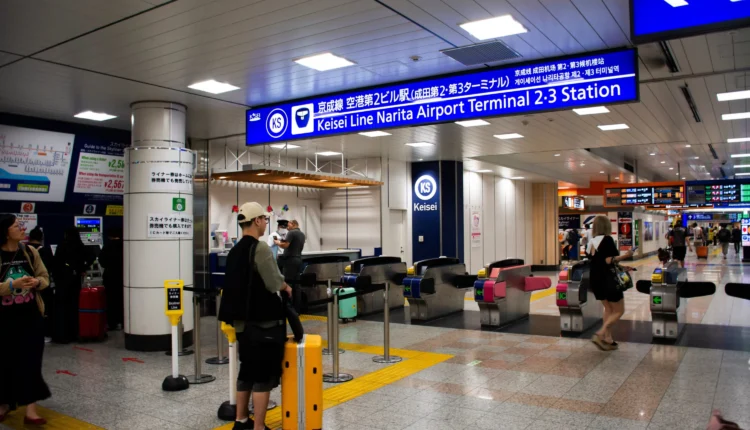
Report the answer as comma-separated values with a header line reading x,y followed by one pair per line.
x,y
414,361
55,421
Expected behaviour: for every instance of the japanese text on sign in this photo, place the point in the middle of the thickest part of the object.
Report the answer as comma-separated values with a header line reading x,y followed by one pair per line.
x,y
174,299
171,177
100,174
170,226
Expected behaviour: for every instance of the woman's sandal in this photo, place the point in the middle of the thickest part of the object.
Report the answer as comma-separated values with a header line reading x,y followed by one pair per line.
x,y
600,343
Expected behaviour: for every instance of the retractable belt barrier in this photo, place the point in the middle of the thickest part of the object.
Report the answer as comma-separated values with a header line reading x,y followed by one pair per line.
x,y
199,377
174,311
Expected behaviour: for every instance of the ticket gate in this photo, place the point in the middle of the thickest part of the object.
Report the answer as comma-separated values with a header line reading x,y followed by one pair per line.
x,y
329,267
388,270
503,291
436,287
579,309
668,292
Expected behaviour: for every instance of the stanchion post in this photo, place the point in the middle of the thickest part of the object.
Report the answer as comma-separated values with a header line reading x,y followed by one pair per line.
x,y
386,357
198,377
333,345
220,358
327,351
174,311
228,409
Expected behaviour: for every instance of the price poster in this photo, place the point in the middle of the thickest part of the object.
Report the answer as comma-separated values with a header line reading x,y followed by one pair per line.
x,y
100,174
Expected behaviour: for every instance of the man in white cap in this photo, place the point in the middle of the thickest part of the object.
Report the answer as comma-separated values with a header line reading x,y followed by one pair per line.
x,y
253,305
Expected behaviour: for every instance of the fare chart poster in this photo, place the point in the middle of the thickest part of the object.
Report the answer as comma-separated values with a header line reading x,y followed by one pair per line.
x,y
101,169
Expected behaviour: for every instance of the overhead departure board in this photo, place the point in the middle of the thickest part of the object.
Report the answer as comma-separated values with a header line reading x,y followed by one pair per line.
x,y
668,195
719,193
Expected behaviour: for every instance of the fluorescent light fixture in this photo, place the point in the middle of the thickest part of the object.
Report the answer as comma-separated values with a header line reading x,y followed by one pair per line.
x,y
687,146
663,162
374,133
601,171
613,127
284,146
671,168
213,87
738,140
653,153
684,179
676,3
327,153
349,183
740,155
733,116
262,174
222,177
677,174
484,171
696,158
472,123
734,95
94,116
742,174
739,166
517,177
591,110
509,136
556,155
419,144
492,28
323,62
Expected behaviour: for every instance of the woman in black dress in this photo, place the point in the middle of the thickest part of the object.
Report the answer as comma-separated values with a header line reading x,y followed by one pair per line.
x,y
605,254
22,276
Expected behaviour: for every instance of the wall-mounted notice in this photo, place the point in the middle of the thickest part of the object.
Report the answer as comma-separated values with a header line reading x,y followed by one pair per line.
x,y
26,222
476,228
34,164
170,226
100,174
625,230
172,177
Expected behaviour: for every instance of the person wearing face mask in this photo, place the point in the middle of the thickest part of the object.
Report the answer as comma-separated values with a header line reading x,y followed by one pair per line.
x,y
278,235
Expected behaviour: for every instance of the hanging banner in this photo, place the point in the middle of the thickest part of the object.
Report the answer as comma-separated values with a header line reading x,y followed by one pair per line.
x,y
625,230
172,177
26,222
476,228
170,226
100,174
34,164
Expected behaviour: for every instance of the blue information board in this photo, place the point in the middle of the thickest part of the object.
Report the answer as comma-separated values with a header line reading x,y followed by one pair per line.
x,y
654,20
592,79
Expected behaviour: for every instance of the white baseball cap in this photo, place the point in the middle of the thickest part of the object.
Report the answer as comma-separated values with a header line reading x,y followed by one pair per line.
x,y
251,210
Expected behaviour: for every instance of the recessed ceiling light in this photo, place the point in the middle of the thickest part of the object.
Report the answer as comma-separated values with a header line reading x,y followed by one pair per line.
x,y
663,162
742,174
677,3
653,153
484,171
677,174
687,146
738,140
508,136
734,95
419,144
671,168
733,116
284,146
323,62
740,155
556,155
376,133
493,28
517,177
696,158
328,153
472,123
613,127
421,159
262,174
684,179
583,164
591,110
213,87
94,116
222,177
601,171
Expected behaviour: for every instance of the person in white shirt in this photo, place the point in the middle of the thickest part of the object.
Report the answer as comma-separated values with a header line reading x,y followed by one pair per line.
x,y
279,234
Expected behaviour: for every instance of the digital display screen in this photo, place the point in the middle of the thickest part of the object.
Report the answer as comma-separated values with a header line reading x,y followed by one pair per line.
x,y
89,225
639,196
592,79
719,193
654,20
577,203
669,195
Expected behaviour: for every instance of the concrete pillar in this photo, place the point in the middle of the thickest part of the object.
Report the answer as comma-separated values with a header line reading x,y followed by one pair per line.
x,y
545,210
158,229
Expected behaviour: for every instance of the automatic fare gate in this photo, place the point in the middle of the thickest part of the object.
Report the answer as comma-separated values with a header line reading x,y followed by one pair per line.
x,y
436,288
325,268
579,309
668,292
382,270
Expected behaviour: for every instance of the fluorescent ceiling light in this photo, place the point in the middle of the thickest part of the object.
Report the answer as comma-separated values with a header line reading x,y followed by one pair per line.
x,y
493,28
687,146
284,146
742,174
653,153
472,123
517,177
671,168
734,95
740,155
323,62
613,127
684,179
733,116
484,171
663,162
696,158
591,110
677,3
262,174
508,136
738,140
419,144
374,133
677,174
741,165
222,177
602,171
213,87
556,155
328,153
94,116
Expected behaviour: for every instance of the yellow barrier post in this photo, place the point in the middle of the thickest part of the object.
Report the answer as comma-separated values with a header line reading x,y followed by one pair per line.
x,y
228,409
173,309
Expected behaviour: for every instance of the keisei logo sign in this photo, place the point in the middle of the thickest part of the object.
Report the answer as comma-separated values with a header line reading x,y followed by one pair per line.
x,y
302,121
253,117
277,123
425,189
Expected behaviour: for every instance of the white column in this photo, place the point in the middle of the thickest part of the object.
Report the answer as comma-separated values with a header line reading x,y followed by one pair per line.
x,y
158,237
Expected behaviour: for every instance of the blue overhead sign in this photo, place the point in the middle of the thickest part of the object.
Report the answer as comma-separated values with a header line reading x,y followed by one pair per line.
x,y
593,79
654,20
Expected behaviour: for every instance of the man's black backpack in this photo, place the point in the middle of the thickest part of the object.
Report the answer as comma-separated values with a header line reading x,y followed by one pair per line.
x,y
724,235
573,237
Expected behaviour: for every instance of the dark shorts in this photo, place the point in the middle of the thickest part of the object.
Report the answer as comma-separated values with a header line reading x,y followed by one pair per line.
x,y
610,294
260,363
603,286
679,252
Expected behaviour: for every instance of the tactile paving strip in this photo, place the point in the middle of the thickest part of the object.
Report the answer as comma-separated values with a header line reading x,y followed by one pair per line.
x,y
55,421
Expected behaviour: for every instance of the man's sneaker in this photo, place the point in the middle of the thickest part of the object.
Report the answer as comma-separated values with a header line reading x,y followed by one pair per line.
x,y
248,425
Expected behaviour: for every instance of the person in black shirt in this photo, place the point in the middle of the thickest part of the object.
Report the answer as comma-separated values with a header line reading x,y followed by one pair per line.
x,y
72,260
111,259
290,262
737,239
604,256
252,305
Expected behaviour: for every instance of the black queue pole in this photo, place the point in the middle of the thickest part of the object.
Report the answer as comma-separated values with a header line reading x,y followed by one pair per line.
x,y
199,377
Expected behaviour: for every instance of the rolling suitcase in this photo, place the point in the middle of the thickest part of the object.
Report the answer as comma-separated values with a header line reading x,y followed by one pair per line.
x,y
347,307
302,384
701,252
92,313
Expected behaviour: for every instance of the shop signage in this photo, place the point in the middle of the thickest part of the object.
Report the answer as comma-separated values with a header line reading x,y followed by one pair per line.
x,y
593,79
745,232
425,210
170,226
654,20
565,222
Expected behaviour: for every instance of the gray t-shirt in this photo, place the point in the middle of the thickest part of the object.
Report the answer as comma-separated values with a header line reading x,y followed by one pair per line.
x,y
296,241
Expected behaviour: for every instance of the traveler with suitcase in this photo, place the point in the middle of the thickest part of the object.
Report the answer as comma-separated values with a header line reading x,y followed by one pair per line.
x,y
22,277
253,305
699,240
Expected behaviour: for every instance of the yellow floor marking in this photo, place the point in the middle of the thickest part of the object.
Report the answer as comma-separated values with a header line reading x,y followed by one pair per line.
x,y
414,361
55,420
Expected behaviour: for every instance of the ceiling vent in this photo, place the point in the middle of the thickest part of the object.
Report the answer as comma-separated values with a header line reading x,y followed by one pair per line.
x,y
482,53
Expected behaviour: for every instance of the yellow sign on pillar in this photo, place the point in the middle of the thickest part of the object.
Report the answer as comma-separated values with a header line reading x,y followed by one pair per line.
x,y
173,303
